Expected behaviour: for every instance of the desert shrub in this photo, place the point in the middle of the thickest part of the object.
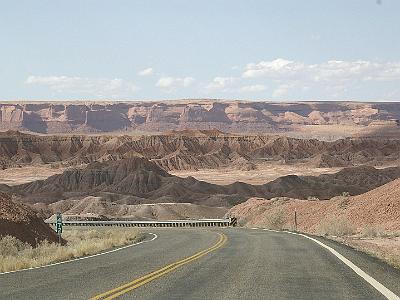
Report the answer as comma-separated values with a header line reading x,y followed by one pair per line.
x,y
393,259
371,231
336,226
344,202
275,219
15,254
241,222
10,245
280,199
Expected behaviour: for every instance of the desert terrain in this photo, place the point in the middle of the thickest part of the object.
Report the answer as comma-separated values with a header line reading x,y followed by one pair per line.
x,y
257,161
264,172
323,120
200,150
19,175
369,222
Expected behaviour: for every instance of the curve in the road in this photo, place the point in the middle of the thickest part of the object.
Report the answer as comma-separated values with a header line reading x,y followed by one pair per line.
x,y
255,264
372,281
130,286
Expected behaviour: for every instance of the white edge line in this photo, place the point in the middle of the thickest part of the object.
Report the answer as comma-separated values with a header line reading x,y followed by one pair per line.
x,y
376,284
84,257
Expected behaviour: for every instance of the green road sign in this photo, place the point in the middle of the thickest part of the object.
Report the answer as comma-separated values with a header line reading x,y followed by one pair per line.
x,y
59,223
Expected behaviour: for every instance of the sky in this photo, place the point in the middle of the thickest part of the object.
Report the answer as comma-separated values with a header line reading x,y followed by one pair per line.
x,y
284,50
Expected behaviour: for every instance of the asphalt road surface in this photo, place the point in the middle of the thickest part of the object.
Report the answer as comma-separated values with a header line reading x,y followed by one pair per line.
x,y
229,263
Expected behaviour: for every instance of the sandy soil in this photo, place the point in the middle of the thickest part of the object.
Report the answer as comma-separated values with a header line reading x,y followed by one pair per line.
x,y
326,132
264,173
134,133
14,176
386,248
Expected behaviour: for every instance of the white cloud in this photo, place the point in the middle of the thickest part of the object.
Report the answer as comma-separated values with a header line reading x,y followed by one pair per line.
x,y
96,87
282,69
171,82
274,68
253,88
220,83
146,72
327,80
280,91
187,81
165,82
232,85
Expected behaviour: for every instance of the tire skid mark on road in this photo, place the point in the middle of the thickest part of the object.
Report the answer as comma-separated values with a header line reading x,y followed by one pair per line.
x,y
130,286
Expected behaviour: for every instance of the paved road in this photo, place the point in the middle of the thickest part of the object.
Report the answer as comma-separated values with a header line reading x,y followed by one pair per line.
x,y
250,264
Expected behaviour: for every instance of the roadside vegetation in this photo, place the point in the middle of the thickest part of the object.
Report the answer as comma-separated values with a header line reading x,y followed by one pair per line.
x,y
377,242
276,220
336,226
370,239
16,255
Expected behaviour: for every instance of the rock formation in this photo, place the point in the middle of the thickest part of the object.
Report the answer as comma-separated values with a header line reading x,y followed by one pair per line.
x,y
194,150
148,183
229,116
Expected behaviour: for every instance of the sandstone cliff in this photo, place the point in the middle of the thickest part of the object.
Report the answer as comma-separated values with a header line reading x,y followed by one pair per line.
x,y
230,116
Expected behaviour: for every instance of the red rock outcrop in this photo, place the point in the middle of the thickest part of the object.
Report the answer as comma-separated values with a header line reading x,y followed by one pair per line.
x,y
228,116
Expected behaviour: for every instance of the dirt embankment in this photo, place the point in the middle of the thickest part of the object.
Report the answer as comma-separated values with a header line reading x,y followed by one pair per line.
x,y
369,222
378,208
18,220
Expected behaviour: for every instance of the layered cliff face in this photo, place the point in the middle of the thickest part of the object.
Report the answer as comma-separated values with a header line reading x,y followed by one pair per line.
x,y
188,150
233,116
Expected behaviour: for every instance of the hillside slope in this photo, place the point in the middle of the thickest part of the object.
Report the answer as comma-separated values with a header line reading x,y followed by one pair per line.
x,y
145,182
194,150
103,208
20,221
378,208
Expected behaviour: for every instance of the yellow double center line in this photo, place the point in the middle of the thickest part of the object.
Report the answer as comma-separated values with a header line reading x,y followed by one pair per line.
x,y
114,293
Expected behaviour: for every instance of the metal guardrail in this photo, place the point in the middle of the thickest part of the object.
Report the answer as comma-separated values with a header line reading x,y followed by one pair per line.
x,y
170,223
